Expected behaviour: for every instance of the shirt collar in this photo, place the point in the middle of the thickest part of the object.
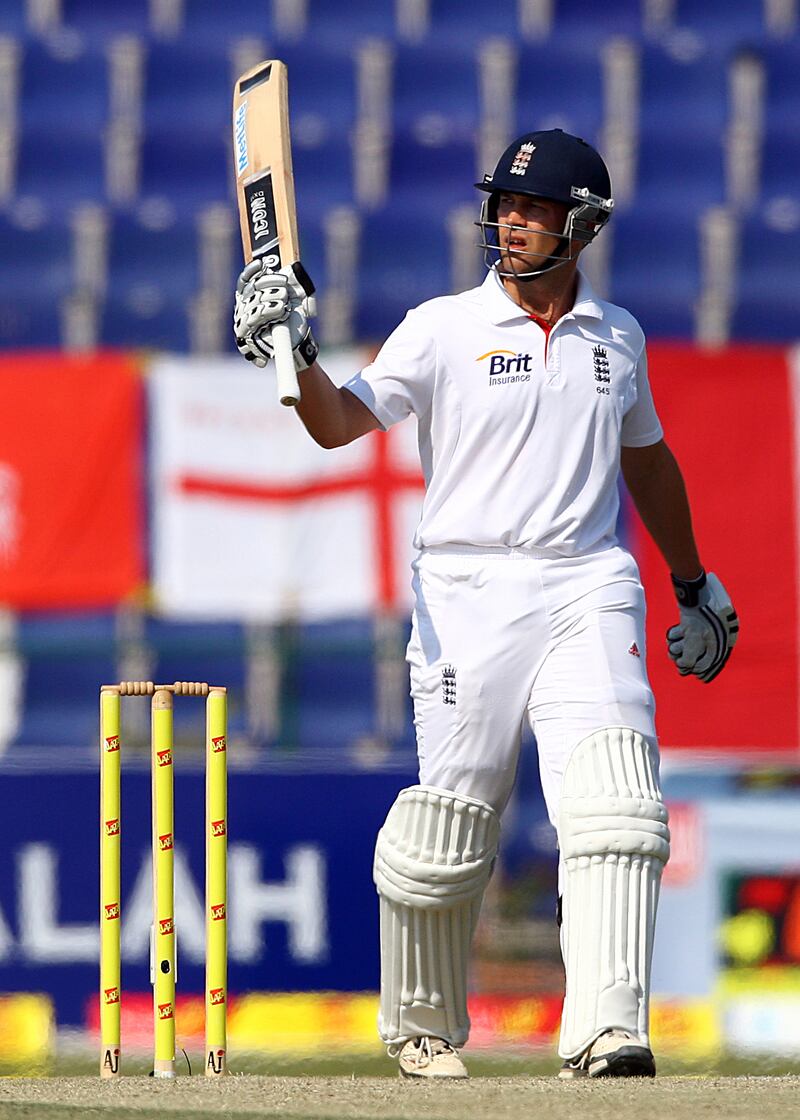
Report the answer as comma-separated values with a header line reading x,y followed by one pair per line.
x,y
501,308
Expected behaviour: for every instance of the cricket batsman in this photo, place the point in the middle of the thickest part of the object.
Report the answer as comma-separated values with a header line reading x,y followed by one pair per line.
x,y
531,395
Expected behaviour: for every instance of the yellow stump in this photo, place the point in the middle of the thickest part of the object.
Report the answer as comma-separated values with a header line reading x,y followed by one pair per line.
x,y
216,882
163,938
110,914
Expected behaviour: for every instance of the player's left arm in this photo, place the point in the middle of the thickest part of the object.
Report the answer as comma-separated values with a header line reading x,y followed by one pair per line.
x,y
656,485
702,641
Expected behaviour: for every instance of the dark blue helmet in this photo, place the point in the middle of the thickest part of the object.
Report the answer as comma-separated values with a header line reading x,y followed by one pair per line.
x,y
555,165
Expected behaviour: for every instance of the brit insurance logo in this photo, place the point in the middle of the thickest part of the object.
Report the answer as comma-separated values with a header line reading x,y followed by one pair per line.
x,y
506,367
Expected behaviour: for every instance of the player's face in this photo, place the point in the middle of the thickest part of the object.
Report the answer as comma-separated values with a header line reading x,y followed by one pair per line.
x,y
529,230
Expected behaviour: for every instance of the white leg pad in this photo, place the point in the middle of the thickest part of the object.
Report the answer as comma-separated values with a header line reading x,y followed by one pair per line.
x,y
433,859
614,841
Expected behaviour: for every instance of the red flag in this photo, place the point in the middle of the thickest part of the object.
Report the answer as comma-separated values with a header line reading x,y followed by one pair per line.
x,y
71,509
728,417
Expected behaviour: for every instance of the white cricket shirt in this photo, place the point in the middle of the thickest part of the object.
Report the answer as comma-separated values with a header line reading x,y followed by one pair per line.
x,y
519,433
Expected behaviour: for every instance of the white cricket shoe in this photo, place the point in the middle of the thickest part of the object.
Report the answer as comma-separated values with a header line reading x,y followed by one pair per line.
x,y
615,1053
430,1057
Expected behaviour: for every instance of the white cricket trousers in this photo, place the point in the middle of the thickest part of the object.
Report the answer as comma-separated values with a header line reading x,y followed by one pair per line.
x,y
501,635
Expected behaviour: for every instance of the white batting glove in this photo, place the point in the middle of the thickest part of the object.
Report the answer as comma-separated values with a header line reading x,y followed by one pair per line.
x,y
702,641
265,298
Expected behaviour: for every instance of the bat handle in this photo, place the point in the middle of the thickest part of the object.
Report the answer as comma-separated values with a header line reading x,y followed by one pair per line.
x,y
288,389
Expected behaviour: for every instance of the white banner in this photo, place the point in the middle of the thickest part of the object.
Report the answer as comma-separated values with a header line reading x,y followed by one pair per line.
x,y
252,520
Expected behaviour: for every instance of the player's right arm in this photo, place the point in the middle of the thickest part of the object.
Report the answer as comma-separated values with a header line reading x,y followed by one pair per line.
x,y
332,416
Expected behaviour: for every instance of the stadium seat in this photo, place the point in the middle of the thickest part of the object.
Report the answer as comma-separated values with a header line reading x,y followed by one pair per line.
x,y
592,23
145,318
222,23
405,259
14,17
323,176
35,276
141,254
35,260
62,166
782,66
187,168
470,23
153,272
780,165
435,95
655,271
559,86
344,697
100,21
721,25
683,114
63,88
323,99
439,172
67,656
192,84
766,298
331,24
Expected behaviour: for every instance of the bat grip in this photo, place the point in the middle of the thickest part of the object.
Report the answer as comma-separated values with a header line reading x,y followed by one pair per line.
x,y
288,388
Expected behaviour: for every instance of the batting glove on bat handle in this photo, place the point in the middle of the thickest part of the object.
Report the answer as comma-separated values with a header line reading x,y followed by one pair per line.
x,y
265,300
703,640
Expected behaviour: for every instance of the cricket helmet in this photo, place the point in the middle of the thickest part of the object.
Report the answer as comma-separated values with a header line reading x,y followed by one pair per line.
x,y
549,164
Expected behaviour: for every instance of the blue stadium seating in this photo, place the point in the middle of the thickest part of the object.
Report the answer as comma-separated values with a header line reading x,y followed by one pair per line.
x,y
720,24
191,87
63,89
559,85
100,21
323,175
655,270
35,261
432,175
35,275
592,23
27,322
782,66
766,303
680,172
67,656
153,273
435,92
329,24
62,114
221,23
322,91
780,164
405,259
435,117
13,17
681,132
343,710
60,168
470,23
144,318
189,169
142,254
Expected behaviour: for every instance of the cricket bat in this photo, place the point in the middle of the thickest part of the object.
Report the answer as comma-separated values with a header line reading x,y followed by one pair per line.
x,y
265,189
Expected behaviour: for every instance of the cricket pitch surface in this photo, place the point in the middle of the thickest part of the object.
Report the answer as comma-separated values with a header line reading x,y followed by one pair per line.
x,y
246,1096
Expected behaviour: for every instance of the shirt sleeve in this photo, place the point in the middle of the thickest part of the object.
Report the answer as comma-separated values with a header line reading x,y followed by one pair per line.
x,y
400,380
640,424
